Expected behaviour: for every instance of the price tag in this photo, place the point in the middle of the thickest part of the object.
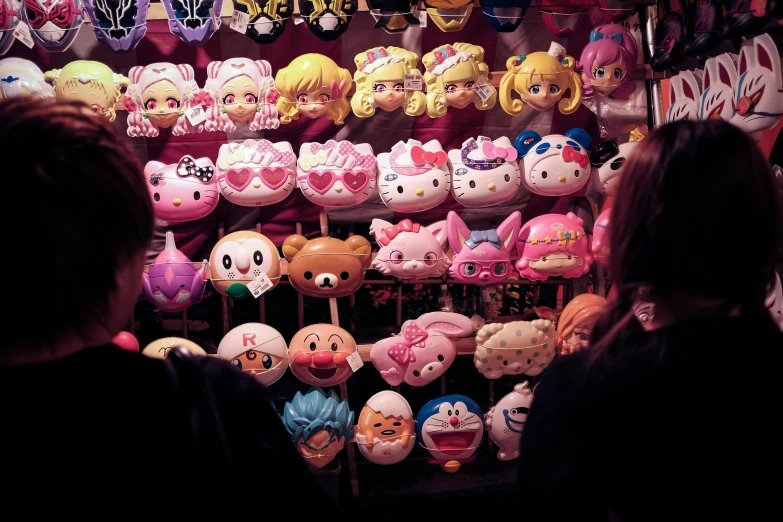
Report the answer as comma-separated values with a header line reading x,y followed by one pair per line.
x,y
412,82
355,361
196,115
483,89
22,33
239,21
422,19
259,285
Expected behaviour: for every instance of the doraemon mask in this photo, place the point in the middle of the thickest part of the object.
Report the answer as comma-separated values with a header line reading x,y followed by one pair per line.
x,y
118,24
555,165
9,16
393,16
267,18
327,19
449,15
53,23
505,15
451,429
190,20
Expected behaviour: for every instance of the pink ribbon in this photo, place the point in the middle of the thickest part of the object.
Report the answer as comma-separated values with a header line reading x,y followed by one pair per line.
x,y
492,152
412,337
389,233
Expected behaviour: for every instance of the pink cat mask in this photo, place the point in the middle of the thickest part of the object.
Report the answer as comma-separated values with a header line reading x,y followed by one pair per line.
x,y
409,250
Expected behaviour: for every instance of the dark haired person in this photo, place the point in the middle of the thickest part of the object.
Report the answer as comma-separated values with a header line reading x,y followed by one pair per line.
x,y
90,431
672,413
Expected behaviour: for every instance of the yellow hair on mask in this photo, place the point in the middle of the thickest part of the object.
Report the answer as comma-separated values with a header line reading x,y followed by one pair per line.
x,y
308,73
402,62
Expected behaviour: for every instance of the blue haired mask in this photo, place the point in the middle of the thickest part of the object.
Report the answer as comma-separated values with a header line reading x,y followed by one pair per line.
x,y
505,15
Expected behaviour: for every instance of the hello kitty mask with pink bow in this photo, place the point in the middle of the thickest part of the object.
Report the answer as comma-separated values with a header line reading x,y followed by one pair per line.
x,y
256,172
482,257
337,174
485,172
423,351
414,177
409,250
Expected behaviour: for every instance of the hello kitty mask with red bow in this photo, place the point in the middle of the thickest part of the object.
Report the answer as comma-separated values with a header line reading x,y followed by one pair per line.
x,y
256,173
336,173
555,165
414,177
758,94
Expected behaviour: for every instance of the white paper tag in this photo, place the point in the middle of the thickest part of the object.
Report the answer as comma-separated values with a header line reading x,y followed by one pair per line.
x,y
22,33
483,89
298,20
196,115
259,285
412,82
423,19
355,361
239,21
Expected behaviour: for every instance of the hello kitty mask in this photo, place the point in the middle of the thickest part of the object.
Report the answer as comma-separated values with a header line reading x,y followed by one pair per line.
x,y
423,350
608,159
720,78
482,257
184,191
684,95
336,174
53,23
553,245
758,94
256,172
409,250
486,172
414,177
555,165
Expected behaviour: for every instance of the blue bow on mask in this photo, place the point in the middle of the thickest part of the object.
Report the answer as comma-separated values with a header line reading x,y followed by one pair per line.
x,y
595,36
483,236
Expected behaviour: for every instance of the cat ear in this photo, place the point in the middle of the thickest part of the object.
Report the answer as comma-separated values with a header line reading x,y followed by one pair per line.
x,y
439,232
377,226
766,53
457,231
509,229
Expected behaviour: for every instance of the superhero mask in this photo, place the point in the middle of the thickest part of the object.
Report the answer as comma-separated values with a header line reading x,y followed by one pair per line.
x,y
505,15
9,16
190,20
267,18
53,23
118,24
393,16
327,19
449,15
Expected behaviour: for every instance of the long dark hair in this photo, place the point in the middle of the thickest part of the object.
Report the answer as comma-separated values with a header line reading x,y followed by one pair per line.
x,y
698,214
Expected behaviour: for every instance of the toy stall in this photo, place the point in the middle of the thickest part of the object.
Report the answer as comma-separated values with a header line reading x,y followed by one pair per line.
x,y
391,213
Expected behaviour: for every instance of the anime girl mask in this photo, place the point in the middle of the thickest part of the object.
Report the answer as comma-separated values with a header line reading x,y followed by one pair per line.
x,y
337,174
257,172
267,18
172,283
190,20
486,172
327,19
509,14
553,245
9,16
758,95
555,165
449,15
607,62
684,96
541,80
414,177
119,25
20,77
157,98
89,82
717,97
53,23
380,82
393,16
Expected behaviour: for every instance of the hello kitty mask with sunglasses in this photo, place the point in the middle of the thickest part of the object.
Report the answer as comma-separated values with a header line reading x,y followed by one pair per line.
x,y
485,172
256,172
53,23
336,173
414,177
758,95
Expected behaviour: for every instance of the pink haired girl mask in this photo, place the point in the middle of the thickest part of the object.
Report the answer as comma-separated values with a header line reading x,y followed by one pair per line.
x,y
553,245
414,177
256,172
409,250
485,172
482,257
607,62
184,191
336,174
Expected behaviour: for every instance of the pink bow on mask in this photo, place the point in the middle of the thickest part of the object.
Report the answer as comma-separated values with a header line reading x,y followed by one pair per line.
x,y
406,225
337,90
570,154
201,98
492,152
412,337
419,157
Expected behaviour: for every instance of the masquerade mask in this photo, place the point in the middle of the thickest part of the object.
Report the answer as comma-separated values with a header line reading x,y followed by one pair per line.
x,y
53,23
449,15
327,20
119,25
267,18
190,19
8,19
393,16
505,15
